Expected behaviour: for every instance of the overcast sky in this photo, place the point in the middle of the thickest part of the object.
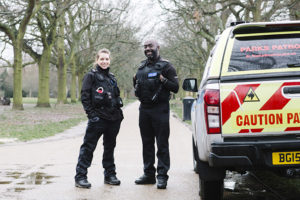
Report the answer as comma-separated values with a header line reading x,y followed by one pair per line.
x,y
146,14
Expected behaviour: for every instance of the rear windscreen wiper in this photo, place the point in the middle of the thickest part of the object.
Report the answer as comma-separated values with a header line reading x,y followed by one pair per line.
x,y
293,64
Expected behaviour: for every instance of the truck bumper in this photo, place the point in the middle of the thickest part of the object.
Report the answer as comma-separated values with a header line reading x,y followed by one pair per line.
x,y
250,155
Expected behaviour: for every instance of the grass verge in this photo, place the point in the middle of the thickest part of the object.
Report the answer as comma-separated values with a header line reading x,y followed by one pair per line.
x,y
34,122
25,132
177,107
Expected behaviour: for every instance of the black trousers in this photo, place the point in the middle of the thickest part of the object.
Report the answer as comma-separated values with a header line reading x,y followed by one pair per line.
x,y
94,130
154,124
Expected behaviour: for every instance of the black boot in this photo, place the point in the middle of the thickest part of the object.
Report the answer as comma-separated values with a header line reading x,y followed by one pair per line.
x,y
161,183
112,180
83,183
145,180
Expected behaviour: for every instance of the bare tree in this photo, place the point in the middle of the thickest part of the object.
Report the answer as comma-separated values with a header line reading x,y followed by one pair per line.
x,y
109,30
15,18
60,47
79,20
193,25
44,36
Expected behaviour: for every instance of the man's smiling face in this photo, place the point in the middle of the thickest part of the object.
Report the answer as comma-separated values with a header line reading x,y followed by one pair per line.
x,y
151,49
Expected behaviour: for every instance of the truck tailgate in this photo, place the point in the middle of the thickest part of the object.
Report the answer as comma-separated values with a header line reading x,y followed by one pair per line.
x,y
260,108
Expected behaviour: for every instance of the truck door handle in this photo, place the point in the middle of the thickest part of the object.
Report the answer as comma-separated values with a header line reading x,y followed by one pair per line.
x,y
291,90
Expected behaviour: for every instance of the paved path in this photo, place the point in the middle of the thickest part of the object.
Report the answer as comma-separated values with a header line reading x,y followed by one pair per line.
x,y
44,169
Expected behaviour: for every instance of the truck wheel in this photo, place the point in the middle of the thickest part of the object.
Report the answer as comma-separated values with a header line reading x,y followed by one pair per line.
x,y
211,190
195,158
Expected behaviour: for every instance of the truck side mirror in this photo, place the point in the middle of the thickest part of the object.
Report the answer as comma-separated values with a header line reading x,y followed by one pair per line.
x,y
190,84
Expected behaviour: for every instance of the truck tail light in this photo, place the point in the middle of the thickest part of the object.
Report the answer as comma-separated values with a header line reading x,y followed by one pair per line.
x,y
212,111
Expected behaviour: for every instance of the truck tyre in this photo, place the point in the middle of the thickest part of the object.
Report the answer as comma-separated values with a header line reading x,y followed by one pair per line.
x,y
195,158
211,190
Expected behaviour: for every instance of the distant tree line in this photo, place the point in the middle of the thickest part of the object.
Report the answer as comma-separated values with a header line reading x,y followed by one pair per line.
x,y
65,34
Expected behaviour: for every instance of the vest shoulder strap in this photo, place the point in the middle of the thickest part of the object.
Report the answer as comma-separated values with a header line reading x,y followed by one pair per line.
x,y
164,60
97,75
143,64
112,76
161,64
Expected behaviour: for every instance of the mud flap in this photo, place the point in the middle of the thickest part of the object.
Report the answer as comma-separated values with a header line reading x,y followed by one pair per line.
x,y
207,173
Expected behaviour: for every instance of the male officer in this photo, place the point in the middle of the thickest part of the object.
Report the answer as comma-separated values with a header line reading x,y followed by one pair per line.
x,y
153,82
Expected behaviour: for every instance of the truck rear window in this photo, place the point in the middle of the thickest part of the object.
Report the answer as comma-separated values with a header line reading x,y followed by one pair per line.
x,y
265,52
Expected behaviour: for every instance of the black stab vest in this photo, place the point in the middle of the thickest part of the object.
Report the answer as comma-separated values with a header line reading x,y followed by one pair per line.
x,y
149,86
105,92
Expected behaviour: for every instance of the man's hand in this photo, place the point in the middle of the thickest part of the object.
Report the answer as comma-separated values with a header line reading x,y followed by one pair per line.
x,y
162,79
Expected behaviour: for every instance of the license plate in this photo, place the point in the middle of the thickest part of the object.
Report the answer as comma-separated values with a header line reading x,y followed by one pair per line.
x,y
286,158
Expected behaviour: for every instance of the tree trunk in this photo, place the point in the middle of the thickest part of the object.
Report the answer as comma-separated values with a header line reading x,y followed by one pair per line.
x,y
16,36
43,95
62,68
80,78
256,11
17,95
73,82
62,83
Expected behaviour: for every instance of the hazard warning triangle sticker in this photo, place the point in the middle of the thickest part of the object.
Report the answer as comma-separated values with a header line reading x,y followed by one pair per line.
x,y
251,96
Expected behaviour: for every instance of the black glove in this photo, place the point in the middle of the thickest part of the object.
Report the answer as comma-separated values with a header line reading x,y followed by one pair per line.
x,y
119,102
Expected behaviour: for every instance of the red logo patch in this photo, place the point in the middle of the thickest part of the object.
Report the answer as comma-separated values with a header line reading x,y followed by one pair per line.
x,y
100,90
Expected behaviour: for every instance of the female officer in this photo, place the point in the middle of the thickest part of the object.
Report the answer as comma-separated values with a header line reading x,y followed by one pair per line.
x,y
101,101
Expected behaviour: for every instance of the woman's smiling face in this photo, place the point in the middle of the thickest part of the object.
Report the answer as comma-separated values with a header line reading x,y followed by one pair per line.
x,y
103,60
